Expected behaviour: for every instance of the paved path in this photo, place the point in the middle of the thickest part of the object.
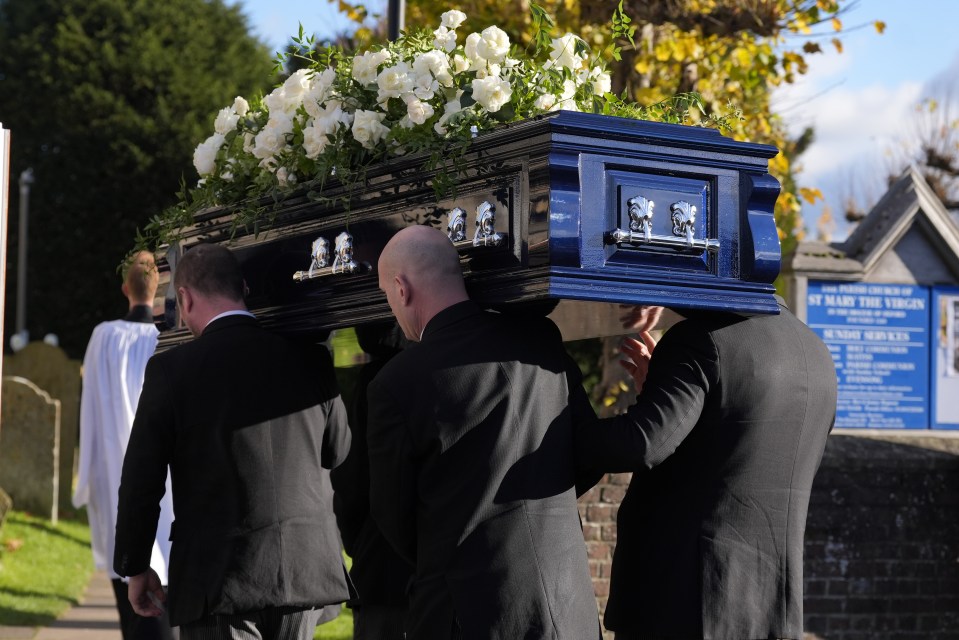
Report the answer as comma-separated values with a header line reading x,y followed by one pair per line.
x,y
95,618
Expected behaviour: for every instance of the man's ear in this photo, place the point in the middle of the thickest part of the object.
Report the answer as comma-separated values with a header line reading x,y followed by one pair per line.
x,y
185,297
124,290
403,290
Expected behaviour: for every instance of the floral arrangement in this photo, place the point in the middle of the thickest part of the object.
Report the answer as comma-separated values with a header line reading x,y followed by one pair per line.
x,y
427,92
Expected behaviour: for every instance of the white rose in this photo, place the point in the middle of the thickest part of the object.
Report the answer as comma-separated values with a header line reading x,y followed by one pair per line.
x,y
241,106
472,54
315,140
449,110
273,138
419,111
368,128
564,53
225,121
318,92
393,82
285,177
602,84
493,44
493,70
278,102
367,66
460,64
297,85
545,102
491,93
424,87
289,96
453,19
567,98
332,116
436,64
444,39
204,157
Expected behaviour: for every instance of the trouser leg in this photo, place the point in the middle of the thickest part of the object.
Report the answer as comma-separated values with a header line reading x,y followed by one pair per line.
x,y
379,622
275,623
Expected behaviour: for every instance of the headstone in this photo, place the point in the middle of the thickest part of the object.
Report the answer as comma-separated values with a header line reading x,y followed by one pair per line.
x,y
5,505
49,368
29,447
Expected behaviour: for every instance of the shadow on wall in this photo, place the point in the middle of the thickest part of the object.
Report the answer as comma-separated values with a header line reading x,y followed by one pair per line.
x,y
882,538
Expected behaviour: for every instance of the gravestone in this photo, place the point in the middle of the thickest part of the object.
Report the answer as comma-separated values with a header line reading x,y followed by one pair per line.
x,y
5,505
29,447
49,368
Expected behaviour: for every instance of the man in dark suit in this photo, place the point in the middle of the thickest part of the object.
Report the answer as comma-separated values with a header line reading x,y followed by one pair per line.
x,y
381,576
247,422
724,440
471,458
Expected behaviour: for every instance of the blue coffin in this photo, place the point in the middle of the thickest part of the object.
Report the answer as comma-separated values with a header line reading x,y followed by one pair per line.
x,y
565,206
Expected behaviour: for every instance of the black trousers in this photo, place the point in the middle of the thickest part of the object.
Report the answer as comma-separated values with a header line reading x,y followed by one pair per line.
x,y
379,622
136,627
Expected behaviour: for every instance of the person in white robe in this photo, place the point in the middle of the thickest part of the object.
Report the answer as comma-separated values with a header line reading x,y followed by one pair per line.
x,y
113,368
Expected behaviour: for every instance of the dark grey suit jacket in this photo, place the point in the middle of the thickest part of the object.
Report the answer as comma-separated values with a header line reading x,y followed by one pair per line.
x,y
724,439
472,478
248,422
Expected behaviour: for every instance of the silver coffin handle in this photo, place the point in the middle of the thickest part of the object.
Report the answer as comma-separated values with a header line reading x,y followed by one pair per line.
x,y
485,234
343,262
683,216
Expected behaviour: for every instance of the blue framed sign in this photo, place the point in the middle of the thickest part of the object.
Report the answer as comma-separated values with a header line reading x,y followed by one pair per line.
x,y
878,335
944,370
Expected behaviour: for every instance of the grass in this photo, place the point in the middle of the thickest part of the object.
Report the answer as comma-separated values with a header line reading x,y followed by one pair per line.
x,y
339,629
44,569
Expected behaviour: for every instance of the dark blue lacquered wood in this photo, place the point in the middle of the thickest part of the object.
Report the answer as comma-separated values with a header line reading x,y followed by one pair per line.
x,y
560,184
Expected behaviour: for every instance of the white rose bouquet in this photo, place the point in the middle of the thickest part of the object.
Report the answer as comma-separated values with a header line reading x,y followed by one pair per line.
x,y
427,92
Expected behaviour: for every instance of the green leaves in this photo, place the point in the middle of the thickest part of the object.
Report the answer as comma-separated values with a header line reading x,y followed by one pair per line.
x,y
621,30
542,28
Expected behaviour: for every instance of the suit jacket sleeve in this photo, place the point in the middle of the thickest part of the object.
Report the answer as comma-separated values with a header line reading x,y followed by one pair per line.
x,y
336,437
336,431
393,488
683,369
584,422
143,479
351,480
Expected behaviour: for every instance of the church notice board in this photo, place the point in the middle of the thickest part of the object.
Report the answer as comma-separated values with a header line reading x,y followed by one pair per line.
x,y
890,344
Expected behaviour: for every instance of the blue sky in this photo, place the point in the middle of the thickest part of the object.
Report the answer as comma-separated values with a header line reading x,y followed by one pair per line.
x,y
861,102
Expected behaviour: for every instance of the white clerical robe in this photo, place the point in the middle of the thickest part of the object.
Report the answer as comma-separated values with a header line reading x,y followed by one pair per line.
x,y
113,368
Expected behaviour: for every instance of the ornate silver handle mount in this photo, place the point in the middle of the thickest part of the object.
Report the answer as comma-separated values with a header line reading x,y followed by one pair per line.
x,y
343,261
683,216
485,234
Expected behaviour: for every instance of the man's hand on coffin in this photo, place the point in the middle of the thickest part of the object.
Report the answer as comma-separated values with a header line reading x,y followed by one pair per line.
x,y
639,354
640,317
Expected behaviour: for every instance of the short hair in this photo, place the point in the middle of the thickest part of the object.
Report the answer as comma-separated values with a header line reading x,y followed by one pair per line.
x,y
141,277
212,270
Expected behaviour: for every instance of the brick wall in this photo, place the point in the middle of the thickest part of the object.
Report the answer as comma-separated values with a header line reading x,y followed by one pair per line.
x,y
882,538
598,508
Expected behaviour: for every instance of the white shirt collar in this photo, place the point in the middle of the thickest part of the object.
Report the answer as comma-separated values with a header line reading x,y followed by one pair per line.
x,y
234,312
